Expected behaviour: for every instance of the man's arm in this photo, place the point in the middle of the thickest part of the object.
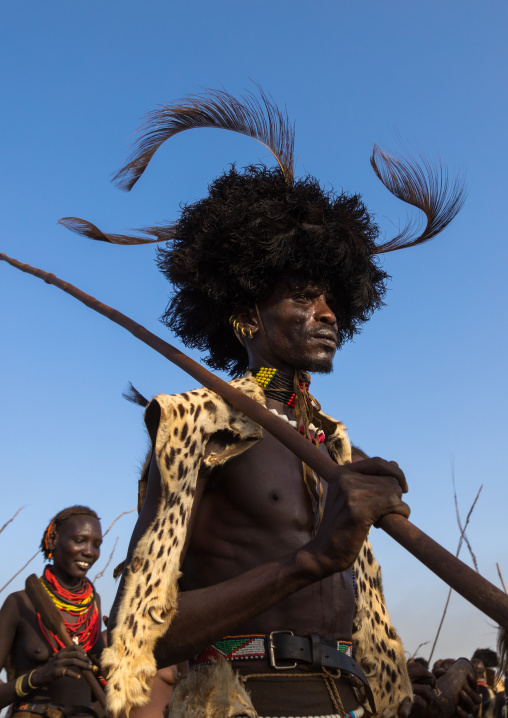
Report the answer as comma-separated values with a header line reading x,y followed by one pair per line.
x,y
359,496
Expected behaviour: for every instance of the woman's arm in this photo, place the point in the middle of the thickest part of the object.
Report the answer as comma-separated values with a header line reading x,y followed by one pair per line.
x,y
63,663
9,619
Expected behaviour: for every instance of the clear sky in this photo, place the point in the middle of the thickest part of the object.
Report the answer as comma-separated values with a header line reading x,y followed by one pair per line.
x,y
425,383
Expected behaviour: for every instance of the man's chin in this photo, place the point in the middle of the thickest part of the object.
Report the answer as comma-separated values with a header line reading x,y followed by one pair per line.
x,y
321,365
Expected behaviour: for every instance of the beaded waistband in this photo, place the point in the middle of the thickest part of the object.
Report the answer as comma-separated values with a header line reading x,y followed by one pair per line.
x,y
245,648
49,709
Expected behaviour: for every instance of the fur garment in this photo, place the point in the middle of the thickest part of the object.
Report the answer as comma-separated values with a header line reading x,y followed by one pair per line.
x,y
213,691
179,428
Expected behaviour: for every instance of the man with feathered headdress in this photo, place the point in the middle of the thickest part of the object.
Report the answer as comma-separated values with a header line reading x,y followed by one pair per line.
x,y
270,275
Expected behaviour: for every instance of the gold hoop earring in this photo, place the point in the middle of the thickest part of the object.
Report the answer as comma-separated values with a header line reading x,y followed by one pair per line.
x,y
239,328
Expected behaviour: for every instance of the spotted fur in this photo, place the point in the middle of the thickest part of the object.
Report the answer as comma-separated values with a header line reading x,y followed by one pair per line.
x,y
184,424
211,692
180,427
378,647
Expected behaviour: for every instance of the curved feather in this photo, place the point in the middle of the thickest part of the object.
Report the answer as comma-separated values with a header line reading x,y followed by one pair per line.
x,y
426,186
134,396
502,650
259,118
87,229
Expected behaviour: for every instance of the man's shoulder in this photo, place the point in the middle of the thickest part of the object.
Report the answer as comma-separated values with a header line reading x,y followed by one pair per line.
x,y
203,407
209,400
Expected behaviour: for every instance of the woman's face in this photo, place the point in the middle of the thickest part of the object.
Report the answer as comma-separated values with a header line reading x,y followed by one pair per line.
x,y
76,548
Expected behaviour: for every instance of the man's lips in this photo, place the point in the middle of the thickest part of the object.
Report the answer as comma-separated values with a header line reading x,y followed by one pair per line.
x,y
327,337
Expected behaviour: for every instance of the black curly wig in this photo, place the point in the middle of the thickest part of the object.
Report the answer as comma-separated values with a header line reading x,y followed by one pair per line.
x,y
232,247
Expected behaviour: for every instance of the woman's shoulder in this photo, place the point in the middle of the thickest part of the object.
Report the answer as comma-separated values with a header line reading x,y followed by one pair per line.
x,y
15,598
18,599
12,610
16,604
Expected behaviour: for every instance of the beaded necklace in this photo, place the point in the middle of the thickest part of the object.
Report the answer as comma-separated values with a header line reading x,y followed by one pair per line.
x,y
80,604
279,386
317,435
295,393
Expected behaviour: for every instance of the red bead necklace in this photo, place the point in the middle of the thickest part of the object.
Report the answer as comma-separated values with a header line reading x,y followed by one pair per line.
x,y
84,629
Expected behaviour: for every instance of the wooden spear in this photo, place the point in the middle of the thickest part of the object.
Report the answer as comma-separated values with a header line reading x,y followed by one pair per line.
x,y
52,618
473,587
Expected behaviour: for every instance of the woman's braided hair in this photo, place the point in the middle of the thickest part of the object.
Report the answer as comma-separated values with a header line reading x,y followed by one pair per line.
x,y
58,521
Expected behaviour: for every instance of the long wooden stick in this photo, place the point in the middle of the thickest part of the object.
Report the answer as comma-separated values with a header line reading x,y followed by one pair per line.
x,y
52,618
473,587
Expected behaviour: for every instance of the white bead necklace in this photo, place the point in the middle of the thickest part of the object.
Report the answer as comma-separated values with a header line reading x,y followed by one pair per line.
x,y
318,433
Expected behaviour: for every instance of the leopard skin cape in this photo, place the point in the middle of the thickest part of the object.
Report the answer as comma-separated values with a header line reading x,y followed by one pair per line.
x,y
179,427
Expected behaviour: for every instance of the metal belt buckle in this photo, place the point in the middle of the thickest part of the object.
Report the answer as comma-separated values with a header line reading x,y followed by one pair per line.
x,y
271,652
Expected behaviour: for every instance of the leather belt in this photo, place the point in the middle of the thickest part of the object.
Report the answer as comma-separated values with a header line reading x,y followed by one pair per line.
x,y
287,650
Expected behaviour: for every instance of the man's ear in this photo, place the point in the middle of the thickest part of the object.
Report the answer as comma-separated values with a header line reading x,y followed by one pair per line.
x,y
247,319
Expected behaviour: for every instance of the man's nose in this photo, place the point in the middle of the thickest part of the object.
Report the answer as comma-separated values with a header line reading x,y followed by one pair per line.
x,y
324,312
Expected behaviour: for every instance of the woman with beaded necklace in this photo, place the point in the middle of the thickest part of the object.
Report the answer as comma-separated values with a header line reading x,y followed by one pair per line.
x,y
47,677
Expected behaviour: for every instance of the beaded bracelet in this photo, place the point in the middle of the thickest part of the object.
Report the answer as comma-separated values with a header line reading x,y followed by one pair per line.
x,y
18,688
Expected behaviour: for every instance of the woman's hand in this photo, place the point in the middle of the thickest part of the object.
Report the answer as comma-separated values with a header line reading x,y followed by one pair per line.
x,y
64,664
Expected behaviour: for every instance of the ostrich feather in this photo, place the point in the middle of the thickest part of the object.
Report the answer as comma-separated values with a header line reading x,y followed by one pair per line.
x,y
259,118
87,229
424,185
134,396
502,650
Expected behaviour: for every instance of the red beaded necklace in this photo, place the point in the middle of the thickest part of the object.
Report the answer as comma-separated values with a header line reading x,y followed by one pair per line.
x,y
84,630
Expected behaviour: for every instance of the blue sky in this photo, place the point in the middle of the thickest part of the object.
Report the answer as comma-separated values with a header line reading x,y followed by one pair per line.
x,y
425,382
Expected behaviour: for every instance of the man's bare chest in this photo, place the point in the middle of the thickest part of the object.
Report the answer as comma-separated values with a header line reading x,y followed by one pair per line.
x,y
255,510
266,482
259,494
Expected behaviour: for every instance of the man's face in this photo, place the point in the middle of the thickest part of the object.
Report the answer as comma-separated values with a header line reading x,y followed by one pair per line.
x,y
300,329
77,547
